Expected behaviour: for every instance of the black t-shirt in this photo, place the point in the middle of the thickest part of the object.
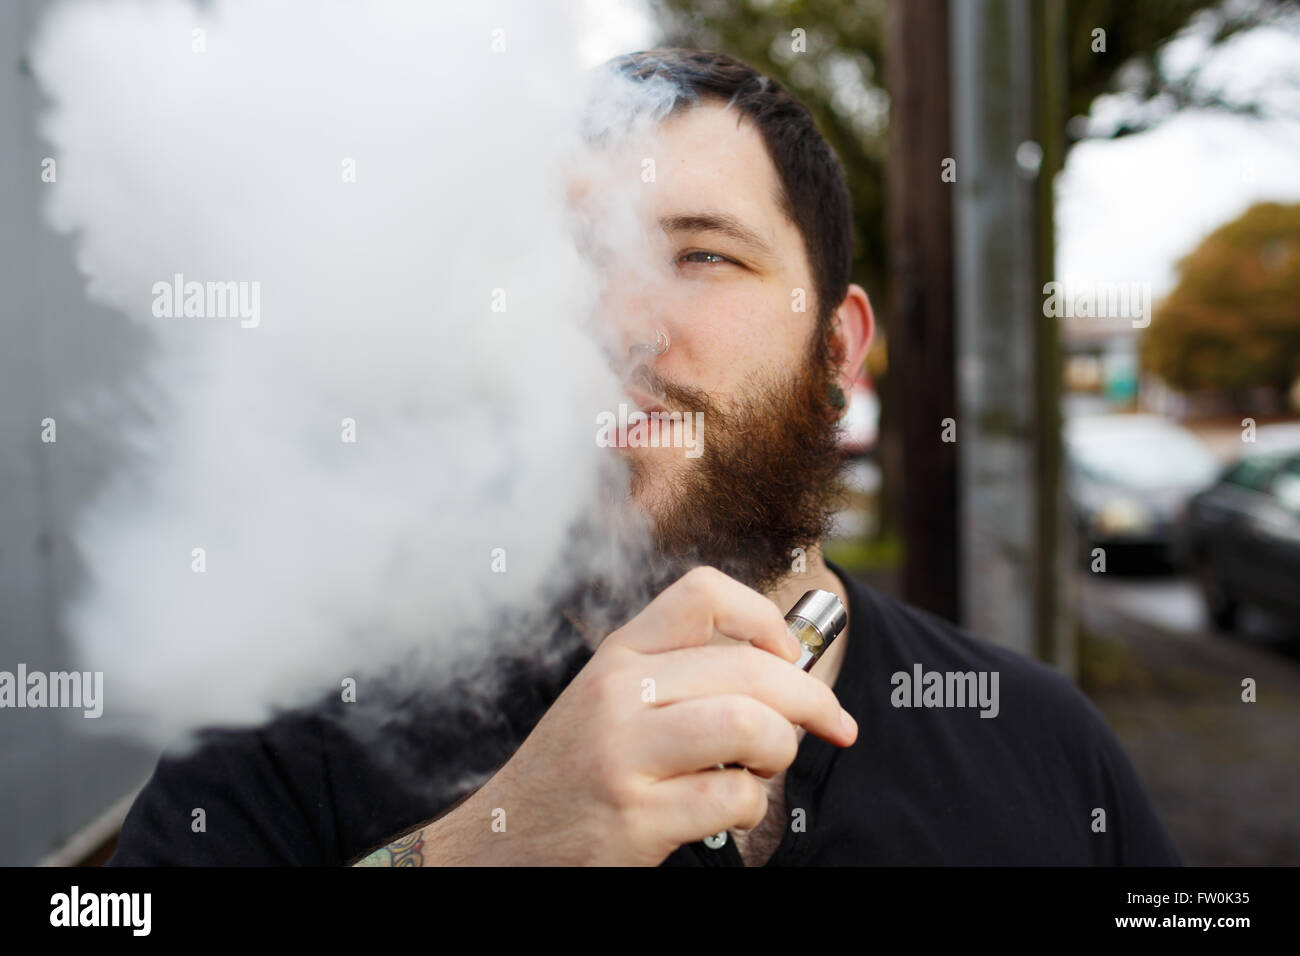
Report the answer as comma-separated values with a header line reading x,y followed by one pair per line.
x,y
1044,781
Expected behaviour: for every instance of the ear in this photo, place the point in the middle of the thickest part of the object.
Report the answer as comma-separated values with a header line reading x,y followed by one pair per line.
x,y
854,325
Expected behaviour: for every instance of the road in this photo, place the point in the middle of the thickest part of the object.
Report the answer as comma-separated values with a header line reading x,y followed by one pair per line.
x,y
1170,604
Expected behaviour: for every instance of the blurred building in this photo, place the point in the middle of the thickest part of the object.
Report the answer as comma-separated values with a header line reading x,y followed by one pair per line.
x,y
59,787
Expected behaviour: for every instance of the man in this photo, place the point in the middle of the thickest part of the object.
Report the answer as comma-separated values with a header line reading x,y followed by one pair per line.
x,y
678,738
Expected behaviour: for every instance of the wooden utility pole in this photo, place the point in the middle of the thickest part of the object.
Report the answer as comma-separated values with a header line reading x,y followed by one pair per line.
x,y
921,379
976,120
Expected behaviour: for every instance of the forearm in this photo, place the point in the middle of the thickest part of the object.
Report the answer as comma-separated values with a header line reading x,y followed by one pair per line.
x,y
437,842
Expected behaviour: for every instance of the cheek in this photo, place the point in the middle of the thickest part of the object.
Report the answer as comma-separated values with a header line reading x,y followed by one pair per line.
x,y
727,334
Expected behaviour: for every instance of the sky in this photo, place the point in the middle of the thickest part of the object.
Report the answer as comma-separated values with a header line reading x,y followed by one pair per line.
x,y
1129,208
611,27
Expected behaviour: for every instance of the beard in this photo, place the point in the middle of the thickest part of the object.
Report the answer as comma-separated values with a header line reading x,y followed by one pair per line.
x,y
763,486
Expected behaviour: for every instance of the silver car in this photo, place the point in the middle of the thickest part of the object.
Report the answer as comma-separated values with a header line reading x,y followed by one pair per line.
x,y
1129,478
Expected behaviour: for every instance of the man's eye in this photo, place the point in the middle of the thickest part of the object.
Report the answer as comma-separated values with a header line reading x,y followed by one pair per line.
x,y
703,257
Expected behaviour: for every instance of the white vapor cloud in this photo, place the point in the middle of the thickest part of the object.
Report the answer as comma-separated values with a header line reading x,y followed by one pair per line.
x,y
474,428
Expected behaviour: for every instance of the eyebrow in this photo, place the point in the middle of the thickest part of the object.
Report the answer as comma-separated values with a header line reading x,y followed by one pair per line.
x,y
719,222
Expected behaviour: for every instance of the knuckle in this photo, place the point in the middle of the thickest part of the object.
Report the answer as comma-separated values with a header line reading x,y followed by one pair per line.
x,y
747,800
751,665
737,792
606,767
756,811
728,792
707,573
699,583
736,719
735,796
610,689
632,822
789,745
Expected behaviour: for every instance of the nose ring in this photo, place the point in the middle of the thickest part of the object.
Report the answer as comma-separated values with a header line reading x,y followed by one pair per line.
x,y
660,346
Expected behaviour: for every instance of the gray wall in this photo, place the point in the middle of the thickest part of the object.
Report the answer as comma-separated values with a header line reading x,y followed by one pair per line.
x,y
55,349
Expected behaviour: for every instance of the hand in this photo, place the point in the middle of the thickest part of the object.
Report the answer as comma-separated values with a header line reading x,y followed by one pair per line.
x,y
622,769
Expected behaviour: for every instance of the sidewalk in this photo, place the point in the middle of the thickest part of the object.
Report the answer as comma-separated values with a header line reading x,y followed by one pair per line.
x,y
1224,774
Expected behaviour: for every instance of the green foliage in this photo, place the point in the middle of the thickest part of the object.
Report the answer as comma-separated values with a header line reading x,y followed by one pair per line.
x,y
1233,321
859,555
1134,32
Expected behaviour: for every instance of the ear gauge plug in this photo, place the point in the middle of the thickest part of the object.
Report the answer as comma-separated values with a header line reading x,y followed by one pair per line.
x,y
835,395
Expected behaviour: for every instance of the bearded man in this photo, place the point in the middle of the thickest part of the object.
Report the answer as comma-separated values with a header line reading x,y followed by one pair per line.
x,y
885,753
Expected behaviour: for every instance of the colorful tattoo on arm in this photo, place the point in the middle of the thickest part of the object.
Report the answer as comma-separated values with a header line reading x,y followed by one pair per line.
x,y
404,851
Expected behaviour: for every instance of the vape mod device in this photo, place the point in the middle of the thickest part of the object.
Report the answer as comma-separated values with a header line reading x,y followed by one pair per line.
x,y
816,619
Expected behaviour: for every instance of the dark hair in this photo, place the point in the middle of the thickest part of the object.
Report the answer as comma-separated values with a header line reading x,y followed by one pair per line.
x,y
814,195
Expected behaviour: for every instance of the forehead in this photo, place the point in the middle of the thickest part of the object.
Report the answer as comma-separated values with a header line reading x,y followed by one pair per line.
x,y
710,158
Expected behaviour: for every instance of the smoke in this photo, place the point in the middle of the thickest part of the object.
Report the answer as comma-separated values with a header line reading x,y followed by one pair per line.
x,y
363,437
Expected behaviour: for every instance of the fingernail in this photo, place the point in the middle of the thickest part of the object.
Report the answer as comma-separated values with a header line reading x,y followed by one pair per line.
x,y
850,725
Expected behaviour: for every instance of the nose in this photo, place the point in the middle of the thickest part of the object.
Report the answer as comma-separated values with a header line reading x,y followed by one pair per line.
x,y
654,344
634,332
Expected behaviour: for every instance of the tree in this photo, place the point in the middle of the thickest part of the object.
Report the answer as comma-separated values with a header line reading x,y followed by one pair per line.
x,y
1125,57
1233,321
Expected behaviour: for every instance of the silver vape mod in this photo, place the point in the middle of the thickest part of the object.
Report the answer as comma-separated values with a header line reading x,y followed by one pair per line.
x,y
816,619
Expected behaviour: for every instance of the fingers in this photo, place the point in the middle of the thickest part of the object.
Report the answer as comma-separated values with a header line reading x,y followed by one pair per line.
x,y
714,800
701,601
798,697
706,731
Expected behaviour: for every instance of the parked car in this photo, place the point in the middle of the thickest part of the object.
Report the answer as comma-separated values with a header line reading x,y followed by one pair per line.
x,y
1243,537
1129,478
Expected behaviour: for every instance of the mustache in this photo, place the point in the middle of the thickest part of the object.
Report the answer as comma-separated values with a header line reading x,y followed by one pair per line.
x,y
671,395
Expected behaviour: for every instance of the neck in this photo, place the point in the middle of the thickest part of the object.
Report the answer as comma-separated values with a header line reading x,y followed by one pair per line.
x,y
814,575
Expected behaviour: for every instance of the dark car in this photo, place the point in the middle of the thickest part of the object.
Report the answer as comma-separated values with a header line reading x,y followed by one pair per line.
x,y
1242,538
1129,477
